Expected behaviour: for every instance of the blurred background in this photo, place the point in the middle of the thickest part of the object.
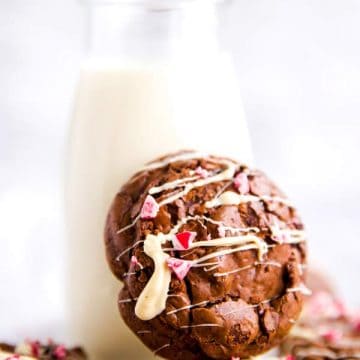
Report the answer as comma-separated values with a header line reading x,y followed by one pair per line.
x,y
298,66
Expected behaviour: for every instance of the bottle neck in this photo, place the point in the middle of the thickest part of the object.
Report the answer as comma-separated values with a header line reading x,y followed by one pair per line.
x,y
139,33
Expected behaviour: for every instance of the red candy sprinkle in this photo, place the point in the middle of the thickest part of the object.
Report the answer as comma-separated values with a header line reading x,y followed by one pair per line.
x,y
179,267
183,240
60,352
203,173
35,348
150,208
332,335
241,183
289,357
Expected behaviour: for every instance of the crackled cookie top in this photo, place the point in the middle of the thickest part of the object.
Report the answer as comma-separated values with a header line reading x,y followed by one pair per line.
x,y
211,254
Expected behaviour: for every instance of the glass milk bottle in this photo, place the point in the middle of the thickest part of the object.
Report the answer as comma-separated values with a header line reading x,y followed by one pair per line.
x,y
156,81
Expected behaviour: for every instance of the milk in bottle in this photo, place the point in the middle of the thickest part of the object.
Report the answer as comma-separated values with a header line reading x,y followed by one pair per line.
x,y
156,81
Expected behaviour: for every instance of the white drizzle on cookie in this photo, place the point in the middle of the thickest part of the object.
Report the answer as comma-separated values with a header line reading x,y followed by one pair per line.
x,y
246,267
232,198
152,300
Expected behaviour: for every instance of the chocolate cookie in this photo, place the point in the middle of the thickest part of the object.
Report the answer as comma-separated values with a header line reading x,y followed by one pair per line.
x,y
34,350
211,254
326,330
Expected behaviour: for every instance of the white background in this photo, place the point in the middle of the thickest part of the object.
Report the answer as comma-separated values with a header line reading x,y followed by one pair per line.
x,y
299,69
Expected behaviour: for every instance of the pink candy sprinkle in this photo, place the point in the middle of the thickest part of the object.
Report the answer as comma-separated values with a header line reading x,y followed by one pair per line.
x,y
13,357
340,306
241,183
325,305
134,261
357,326
150,208
179,267
289,357
60,352
183,240
332,335
203,173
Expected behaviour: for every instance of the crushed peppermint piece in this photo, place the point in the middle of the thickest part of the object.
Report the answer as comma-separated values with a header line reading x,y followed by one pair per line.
x,y
134,261
183,240
324,305
35,348
150,208
341,308
289,357
60,352
179,267
241,183
332,335
203,173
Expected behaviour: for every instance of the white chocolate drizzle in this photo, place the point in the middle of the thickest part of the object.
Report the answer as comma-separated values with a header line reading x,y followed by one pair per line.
x,y
226,174
171,185
152,300
122,301
250,306
161,347
301,288
130,225
200,325
129,273
191,155
233,198
211,268
128,249
265,263
214,263
202,303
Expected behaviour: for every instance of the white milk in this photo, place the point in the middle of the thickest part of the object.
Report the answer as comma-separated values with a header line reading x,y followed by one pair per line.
x,y
123,118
